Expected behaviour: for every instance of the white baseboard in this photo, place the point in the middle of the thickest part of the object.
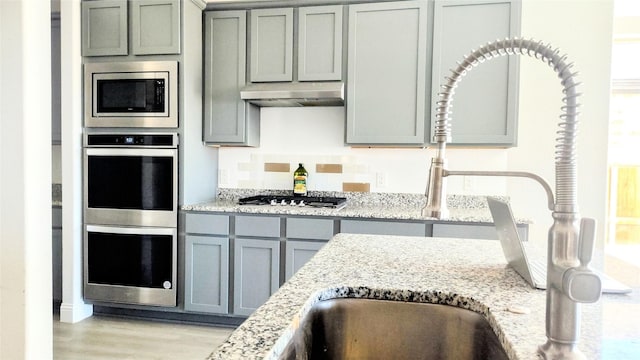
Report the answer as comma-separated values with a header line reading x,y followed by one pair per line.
x,y
75,312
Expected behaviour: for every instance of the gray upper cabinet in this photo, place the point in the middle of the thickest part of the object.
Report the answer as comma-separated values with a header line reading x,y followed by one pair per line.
x,y
320,43
155,27
485,103
316,55
386,89
104,28
271,45
228,120
56,131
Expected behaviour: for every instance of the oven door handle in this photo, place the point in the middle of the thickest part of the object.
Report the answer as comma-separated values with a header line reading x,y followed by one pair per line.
x,y
131,230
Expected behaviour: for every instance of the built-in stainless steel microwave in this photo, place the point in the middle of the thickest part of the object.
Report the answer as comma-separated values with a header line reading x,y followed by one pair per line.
x,y
140,94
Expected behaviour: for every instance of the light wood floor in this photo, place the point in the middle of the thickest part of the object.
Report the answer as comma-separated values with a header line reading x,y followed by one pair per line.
x,y
100,337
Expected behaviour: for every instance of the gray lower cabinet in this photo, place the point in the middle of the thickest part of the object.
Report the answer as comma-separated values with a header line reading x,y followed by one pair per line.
x,y
206,255
256,276
305,236
298,253
473,231
256,261
153,25
228,120
386,89
485,103
378,227
56,252
206,274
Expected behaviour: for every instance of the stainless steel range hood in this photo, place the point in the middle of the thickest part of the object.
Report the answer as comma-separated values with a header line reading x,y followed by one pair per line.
x,y
295,94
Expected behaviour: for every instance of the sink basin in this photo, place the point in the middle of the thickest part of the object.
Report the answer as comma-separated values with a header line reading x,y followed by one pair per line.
x,y
381,329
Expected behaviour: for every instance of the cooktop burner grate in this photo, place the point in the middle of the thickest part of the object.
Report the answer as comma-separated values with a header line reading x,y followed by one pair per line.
x,y
314,201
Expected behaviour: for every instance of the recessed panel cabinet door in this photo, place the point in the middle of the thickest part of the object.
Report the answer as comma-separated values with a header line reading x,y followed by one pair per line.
x,y
206,274
256,276
228,120
485,103
271,45
386,73
320,43
155,27
104,28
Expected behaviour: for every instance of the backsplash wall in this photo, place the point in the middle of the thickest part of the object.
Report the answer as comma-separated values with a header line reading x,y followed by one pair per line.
x,y
315,137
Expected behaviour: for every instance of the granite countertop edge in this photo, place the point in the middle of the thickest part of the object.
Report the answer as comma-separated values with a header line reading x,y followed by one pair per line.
x,y
474,276
462,208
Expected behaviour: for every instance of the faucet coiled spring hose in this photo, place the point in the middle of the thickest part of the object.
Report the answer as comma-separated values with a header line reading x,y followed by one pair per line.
x,y
566,168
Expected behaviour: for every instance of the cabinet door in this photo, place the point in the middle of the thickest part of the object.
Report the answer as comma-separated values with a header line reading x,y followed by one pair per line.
x,y
299,253
227,118
485,102
271,45
155,27
210,224
256,273
320,43
206,286
104,28
473,231
383,227
386,72
309,228
56,252
56,135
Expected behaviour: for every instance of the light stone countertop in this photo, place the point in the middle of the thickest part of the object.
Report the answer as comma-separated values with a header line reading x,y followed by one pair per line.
x,y
471,209
467,273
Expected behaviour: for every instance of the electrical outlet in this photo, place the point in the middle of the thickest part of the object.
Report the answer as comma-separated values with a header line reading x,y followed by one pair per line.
x,y
381,180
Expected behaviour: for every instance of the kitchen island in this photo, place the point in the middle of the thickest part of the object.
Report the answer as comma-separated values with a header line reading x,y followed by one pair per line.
x,y
467,273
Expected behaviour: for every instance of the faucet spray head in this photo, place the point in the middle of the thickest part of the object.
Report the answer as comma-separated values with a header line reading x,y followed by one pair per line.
x,y
435,206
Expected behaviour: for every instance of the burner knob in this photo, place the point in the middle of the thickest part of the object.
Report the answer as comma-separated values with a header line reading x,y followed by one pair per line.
x,y
273,202
283,202
293,203
301,203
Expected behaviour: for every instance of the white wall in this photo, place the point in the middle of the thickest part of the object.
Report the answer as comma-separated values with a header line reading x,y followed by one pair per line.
x,y
25,180
583,30
317,135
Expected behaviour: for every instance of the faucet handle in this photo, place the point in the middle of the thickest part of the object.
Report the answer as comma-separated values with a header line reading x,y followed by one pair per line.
x,y
586,240
580,283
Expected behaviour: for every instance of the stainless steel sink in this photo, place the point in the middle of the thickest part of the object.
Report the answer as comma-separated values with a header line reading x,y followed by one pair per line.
x,y
380,329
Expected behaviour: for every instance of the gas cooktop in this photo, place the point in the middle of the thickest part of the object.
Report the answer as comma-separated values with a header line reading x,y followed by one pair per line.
x,y
328,202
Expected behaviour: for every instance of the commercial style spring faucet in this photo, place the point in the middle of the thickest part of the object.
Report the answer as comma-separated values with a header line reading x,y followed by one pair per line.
x,y
571,239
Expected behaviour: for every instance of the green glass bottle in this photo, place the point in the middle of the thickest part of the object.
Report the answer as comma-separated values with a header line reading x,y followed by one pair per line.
x,y
300,181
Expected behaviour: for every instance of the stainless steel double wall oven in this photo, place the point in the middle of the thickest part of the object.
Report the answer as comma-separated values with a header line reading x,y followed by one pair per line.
x,y
130,195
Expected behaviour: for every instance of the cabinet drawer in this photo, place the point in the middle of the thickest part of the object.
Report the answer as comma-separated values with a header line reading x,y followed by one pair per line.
x,y
258,226
300,228
207,224
383,227
486,232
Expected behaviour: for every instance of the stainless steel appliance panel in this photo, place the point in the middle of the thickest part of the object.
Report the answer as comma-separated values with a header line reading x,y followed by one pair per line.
x,y
131,187
130,265
131,94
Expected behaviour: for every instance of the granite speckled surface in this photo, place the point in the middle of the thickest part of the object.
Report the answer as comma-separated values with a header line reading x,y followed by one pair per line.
x,y
467,273
359,205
